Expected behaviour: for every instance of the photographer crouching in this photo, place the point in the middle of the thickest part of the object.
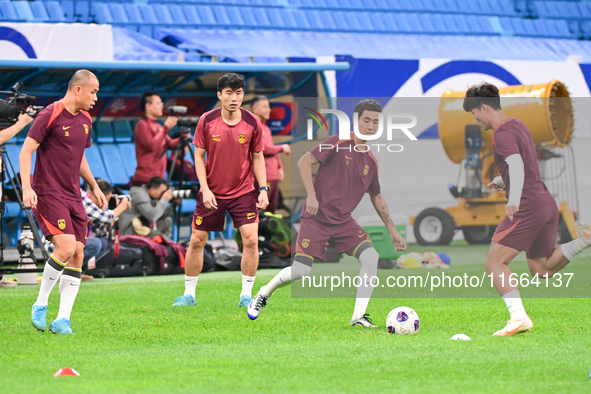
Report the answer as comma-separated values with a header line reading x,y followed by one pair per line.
x,y
151,211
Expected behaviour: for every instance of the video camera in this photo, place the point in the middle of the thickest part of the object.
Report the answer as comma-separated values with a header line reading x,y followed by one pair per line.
x,y
14,104
185,124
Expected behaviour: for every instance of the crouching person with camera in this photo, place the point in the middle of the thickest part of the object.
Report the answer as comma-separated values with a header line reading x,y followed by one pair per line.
x,y
151,212
97,243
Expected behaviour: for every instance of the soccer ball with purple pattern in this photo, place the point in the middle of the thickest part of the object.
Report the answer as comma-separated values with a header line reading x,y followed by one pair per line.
x,y
402,320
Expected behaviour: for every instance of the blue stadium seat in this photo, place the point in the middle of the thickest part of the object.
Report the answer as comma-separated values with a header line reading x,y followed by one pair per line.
x,y
221,16
67,8
39,11
460,24
8,13
301,20
341,21
289,18
235,16
96,164
114,164
102,14
585,9
164,15
176,11
55,11
83,13
316,22
276,18
148,14
118,13
128,155
23,10
192,15
133,13
103,132
262,18
123,131
207,15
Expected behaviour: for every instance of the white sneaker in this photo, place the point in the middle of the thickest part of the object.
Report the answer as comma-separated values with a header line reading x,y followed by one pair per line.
x,y
256,305
515,327
363,321
584,233
6,284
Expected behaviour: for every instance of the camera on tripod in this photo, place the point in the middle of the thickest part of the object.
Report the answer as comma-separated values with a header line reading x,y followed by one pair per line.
x,y
14,104
26,242
185,124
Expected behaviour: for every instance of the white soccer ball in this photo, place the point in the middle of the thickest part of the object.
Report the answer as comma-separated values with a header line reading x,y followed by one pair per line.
x,y
402,320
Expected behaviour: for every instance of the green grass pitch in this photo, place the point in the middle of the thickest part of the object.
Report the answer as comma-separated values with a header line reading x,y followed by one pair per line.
x,y
129,339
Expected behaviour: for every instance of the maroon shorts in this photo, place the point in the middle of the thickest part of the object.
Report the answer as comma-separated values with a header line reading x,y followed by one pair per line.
x,y
533,231
314,235
61,216
243,210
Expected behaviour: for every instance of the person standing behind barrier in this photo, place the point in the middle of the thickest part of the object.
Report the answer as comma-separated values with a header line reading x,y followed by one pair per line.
x,y
6,135
59,135
152,140
275,174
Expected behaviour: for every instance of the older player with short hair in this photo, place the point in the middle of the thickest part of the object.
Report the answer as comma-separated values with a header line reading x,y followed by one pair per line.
x,y
59,135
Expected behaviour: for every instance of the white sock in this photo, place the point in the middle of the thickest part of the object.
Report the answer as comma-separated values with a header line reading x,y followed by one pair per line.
x,y
369,268
514,304
69,286
285,277
51,273
247,284
573,248
191,285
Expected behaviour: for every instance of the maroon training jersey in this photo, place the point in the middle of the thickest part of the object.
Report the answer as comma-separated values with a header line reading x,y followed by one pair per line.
x,y
343,177
63,138
229,151
512,137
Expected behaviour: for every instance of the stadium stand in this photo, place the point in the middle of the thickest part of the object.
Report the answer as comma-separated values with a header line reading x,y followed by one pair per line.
x,y
543,19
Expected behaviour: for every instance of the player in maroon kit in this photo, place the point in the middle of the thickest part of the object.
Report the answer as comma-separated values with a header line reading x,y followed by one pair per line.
x,y
344,176
232,138
59,135
531,222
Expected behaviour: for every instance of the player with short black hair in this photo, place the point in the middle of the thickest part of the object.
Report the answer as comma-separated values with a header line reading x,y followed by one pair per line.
x,y
59,135
531,220
233,141
345,175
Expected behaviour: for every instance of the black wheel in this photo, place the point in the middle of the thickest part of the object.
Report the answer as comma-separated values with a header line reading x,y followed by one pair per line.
x,y
434,226
563,233
476,235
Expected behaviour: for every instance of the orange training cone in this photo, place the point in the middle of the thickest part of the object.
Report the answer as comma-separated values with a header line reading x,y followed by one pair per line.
x,y
66,372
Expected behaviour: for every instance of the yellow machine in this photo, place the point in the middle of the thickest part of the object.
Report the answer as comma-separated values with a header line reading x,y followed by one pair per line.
x,y
547,111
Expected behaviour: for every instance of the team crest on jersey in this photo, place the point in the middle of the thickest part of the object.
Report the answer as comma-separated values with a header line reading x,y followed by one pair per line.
x,y
365,169
86,129
251,215
305,243
61,223
198,220
241,138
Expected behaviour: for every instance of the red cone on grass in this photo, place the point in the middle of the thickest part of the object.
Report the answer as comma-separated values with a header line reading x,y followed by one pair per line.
x,y
66,372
